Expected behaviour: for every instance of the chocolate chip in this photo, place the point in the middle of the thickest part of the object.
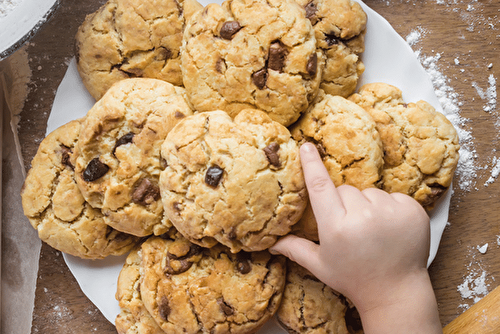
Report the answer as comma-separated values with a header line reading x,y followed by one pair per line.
x,y
243,266
277,56
312,65
232,234
405,105
178,114
229,28
95,170
66,156
180,266
164,308
331,39
225,307
163,54
259,78
146,192
311,10
220,65
436,191
213,176
271,152
123,140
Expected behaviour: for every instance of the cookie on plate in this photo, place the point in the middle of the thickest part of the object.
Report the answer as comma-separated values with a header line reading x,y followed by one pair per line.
x,y
251,54
118,152
133,318
340,27
348,142
132,38
234,181
309,306
57,210
420,144
190,289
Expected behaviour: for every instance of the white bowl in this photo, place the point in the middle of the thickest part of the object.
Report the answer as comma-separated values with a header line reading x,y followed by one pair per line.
x,y
20,22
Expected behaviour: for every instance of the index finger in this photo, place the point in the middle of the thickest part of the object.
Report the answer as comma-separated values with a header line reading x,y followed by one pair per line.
x,y
325,199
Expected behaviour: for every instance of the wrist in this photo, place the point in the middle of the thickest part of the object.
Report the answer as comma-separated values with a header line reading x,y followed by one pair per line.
x,y
405,306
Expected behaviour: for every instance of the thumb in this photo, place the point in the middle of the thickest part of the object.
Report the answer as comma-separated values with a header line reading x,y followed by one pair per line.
x,y
300,250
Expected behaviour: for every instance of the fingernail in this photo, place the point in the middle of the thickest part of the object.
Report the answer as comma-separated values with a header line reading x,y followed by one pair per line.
x,y
308,148
273,251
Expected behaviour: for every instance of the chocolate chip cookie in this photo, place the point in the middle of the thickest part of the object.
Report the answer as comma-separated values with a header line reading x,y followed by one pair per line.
x,y
310,306
118,152
420,144
251,54
238,182
57,210
190,289
132,38
348,142
133,318
340,27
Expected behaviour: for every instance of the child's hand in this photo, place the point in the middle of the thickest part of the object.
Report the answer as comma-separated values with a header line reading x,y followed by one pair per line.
x,y
373,246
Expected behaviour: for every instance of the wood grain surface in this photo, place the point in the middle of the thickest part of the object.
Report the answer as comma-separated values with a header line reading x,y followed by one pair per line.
x,y
466,31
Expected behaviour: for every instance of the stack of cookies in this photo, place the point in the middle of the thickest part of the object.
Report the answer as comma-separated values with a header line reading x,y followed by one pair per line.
x,y
189,159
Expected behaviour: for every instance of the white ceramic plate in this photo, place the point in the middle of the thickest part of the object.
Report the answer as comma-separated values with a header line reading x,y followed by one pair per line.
x,y
387,57
21,22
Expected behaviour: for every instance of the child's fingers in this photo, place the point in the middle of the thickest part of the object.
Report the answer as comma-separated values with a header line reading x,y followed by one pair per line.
x,y
302,251
324,197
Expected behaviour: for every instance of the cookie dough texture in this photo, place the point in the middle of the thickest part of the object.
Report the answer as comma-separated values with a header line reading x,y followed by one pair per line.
x,y
238,182
118,152
133,318
349,145
251,54
57,210
132,38
340,27
420,144
309,306
190,289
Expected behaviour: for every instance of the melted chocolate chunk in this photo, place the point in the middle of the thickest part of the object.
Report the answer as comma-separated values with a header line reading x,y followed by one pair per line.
x,y
181,263
259,78
331,39
178,114
95,170
163,54
277,56
271,152
243,266
311,10
164,308
436,191
66,156
225,307
213,176
220,65
229,28
123,140
312,65
146,193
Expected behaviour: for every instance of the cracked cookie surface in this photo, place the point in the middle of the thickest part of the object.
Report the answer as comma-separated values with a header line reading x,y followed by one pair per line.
x,y
309,306
190,289
420,144
118,152
57,210
348,143
133,318
132,38
238,182
251,54
340,27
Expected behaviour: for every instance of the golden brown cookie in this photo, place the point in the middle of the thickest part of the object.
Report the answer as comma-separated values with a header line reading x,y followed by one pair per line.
x,y
134,318
132,38
57,210
118,152
309,306
190,289
348,143
238,182
420,144
251,54
340,27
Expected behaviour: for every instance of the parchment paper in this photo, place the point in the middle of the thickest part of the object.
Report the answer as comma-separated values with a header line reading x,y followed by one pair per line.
x,y
387,57
20,242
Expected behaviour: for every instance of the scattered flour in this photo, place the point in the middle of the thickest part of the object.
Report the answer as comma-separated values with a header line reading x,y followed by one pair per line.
x,y
495,171
490,94
7,6
476,284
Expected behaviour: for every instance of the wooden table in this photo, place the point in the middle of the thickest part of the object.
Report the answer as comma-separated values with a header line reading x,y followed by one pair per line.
x,y
467,32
